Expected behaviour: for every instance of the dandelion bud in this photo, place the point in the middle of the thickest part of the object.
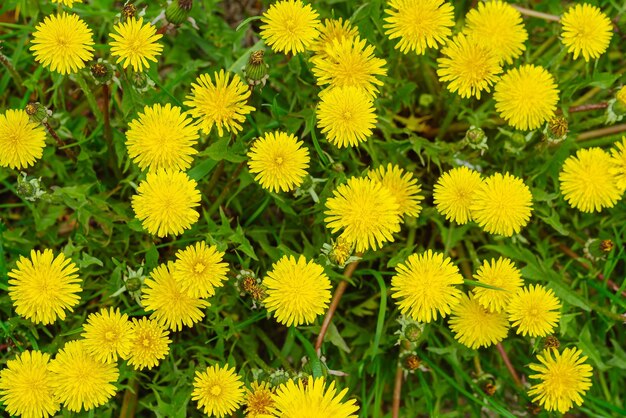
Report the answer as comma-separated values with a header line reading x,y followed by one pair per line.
x,y
412,332
475,138
29,189
341,251
606,245
596,249
551,342
489,389
128,11
278,377
133,284
178,11
410,362
556,129
256,69
37,112
102,72
426,100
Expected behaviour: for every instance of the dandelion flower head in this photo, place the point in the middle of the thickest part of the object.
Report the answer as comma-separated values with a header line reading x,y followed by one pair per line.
x,y
290,26
44,287
21,141
107,335
279,161
425,286
618,155
26,386
502,205
474,326
534,310
165,202
403,187
259,400
346,115
62,43
419,24
221,103
468,66
502,274
218,391
588,180
499,27
526,96
81,381
564,379
365,211
313,400
162,137
331,30
172,306
200,269
586,31
454,192
135,43
68,3
297,291
350,62
150,344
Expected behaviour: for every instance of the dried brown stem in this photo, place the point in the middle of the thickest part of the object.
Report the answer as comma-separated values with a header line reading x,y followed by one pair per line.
x,y
508,364
588,107
70,154
397,393
339,291
533,13
598,133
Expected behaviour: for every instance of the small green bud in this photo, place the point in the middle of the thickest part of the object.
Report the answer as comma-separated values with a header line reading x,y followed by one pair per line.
x,y
29,189
37,112
133,284
596,249
426,100
102,72
475,138
412,332
178,11
256,69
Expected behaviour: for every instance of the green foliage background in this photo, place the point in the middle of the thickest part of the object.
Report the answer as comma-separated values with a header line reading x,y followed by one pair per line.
x,y
88,214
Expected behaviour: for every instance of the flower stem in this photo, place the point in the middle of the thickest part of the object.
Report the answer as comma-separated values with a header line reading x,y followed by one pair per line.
x,y
339,291
68,152
397,393
108,134
234,177
533,13
129,403
17,79
597,133
91,99
588,107
509,365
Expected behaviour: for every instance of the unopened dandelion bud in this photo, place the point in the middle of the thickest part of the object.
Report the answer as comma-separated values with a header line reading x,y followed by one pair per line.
x,y
606,245
489,388
128,11
178,11
256,69
410,362
412,332
475,138
620,96
102,72
596,249
557,129
29,189
278,377
426,100
551,342
341,251
37,112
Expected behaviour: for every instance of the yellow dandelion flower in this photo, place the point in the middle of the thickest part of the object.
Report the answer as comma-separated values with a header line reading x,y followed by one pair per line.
x,y
502,274
107,335
222,103
403,187
474,326
79,380
279,161
454,192
365,211
468,66
135,43
310,398
620,96
62,43
68,3
534,310
502,205
346,115
44,287
332,30
526,96
419,24
259,401
200,269
618,155
162,137
218,391
150,344
26,386
350,62
165,202
499,27
588,181
297,291
586,31
290,26
564,379
21,141
172,306
425,286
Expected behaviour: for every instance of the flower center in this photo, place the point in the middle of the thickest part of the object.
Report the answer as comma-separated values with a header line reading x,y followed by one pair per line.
x,y
279,160
199,268
145,342
216,390
109,335
347,116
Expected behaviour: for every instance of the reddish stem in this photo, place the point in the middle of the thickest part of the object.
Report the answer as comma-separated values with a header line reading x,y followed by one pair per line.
x,y
397,393
588,107
508,364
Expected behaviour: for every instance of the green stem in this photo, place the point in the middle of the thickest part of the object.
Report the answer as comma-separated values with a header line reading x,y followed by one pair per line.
x,y
108,134
91,99
17,79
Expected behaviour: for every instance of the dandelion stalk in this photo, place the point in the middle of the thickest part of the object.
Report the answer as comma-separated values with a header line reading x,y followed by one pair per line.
x,y
129,404
509,365
533,13
397,393
91,99
68,152
588,107
339,291
108,134
17,79
598,133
